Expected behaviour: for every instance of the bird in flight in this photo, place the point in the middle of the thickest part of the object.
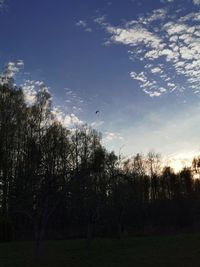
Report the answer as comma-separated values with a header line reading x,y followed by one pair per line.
x,y
97,112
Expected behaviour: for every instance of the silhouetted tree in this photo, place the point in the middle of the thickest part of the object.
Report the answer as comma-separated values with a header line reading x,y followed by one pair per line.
x,y
63,182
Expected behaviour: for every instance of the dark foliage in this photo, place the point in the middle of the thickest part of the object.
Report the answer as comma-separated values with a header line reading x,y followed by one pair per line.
x,y
59,183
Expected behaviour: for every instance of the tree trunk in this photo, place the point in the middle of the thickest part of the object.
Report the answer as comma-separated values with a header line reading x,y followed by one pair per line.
x,y
37,240
39,234
89,234
119,230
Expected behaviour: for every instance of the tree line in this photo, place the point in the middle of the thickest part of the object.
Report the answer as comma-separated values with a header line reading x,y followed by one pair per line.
x,y
62,183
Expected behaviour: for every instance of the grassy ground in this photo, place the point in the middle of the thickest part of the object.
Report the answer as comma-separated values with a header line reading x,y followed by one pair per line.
x,y
179,251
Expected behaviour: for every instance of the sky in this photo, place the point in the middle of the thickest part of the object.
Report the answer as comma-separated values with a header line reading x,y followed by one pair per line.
x,y
136,61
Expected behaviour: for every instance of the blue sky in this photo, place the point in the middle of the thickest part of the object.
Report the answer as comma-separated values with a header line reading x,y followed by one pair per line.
x,y
137,61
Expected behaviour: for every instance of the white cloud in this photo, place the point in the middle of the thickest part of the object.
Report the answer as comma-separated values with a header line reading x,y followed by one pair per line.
x,y
101,20
157,14
135,35
84,25
150,86
10,71
178,28
157,39
74,103
31,88
140,76
171,84
97,124
81,23
111,136
156,70
67,120
12,68
152,54
71,121
2,3
30,92
166,1
196,2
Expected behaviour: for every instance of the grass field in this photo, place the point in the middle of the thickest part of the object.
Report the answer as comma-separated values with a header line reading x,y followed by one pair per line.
x,y
179,251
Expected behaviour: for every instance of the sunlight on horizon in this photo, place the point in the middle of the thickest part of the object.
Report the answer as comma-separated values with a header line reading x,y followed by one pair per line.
x,y
180,160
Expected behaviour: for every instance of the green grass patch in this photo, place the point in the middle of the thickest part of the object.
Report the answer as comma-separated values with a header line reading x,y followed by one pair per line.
x,y
165,251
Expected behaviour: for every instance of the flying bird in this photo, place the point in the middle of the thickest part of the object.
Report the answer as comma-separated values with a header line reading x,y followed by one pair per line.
x,y
97,112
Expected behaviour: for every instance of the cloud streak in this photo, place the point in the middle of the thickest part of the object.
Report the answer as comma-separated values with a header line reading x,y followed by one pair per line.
x,y
2,3
196,2
10,71
67,120
167,44
84,25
